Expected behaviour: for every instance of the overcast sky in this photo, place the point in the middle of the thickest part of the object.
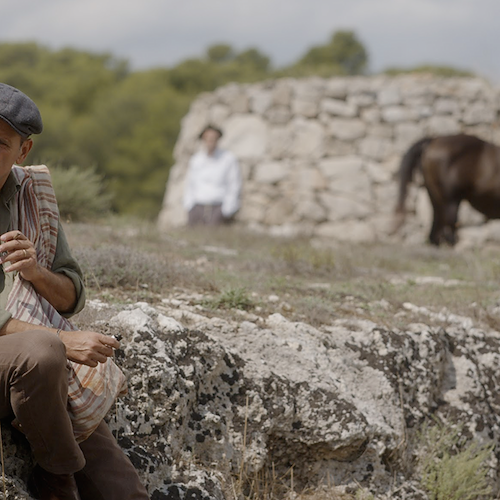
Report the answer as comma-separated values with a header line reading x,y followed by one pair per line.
x,y
148,33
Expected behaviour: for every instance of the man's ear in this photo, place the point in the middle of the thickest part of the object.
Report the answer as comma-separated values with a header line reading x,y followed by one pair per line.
x,y
25,149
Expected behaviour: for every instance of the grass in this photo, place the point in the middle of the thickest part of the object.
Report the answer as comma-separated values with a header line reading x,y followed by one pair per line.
x,y
315,282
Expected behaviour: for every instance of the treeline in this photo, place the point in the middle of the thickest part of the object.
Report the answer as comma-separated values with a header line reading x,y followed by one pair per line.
x,y
123,124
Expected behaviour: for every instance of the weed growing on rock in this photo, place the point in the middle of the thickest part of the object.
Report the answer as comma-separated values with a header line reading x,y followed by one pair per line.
x,y
451,469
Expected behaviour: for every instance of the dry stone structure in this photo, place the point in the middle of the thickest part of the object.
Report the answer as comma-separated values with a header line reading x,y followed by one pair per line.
x,y
320,156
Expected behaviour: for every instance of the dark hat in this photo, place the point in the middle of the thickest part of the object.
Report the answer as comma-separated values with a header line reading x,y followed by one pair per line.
x,y
210,127
19,111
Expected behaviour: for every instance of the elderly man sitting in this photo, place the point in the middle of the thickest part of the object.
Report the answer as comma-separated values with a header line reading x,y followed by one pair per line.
x,y
41,353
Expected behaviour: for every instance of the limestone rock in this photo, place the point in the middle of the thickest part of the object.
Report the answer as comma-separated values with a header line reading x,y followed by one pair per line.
x,y
342,206
390,96
260,101
347,130
443,125
307,137
447,106
308,109
376,148
336,107
479,112
246,136
335,401
271,172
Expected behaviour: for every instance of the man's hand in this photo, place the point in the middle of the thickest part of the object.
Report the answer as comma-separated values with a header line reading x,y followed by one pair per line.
x,y
20,252
88,348
21,255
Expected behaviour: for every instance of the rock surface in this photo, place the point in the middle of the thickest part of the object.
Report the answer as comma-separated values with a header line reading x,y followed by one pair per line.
x,y
321,155
210,397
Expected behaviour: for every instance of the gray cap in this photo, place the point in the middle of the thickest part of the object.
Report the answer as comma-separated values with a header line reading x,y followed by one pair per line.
x,y
19,111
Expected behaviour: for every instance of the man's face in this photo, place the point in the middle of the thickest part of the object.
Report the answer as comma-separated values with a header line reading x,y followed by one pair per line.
x,y
210,138
12,149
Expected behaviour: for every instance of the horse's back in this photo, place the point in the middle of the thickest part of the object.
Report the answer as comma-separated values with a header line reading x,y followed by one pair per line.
x,y
453,147
465,167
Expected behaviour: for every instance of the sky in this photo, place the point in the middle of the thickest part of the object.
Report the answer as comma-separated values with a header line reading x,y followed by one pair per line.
x,y
153,33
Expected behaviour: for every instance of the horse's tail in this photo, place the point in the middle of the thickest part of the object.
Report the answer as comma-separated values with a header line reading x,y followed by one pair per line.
x,y
410,161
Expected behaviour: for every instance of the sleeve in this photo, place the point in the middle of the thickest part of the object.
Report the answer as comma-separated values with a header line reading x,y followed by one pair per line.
x,y
189,196
65,263
231,203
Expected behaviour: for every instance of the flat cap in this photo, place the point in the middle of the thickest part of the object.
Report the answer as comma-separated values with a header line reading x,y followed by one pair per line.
x,y
19,111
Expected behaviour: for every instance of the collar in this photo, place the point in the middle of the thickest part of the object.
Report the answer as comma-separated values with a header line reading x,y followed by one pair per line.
x,y
216,153
9,189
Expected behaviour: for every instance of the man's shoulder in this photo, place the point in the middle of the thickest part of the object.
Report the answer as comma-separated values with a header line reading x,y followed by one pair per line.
x,y
37,169
37,172
198,157
41,184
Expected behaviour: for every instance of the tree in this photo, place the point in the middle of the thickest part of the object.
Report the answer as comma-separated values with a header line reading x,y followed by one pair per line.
x,y
253,58
221,65
343,55
131,137
220,53
67,77
193,76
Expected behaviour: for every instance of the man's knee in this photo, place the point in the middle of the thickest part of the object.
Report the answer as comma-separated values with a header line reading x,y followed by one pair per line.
x,y
44,352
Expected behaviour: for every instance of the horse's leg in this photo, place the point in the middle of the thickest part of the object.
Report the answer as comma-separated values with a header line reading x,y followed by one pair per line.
x,y
437,225
450,223
435,168
438,220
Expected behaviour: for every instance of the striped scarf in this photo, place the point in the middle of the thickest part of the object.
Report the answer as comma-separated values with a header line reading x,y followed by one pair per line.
x,y
91,391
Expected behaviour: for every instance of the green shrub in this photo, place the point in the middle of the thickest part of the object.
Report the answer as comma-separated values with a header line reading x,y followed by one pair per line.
x,y
233,298
451,469
80,193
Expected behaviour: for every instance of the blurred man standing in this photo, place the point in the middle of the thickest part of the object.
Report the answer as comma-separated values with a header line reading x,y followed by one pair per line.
x,y
213,183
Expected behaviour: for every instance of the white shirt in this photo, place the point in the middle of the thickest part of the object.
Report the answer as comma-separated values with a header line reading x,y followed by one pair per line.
x,y
213,179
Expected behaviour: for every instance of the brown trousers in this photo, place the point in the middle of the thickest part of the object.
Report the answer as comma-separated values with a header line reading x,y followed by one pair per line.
x,y
34,387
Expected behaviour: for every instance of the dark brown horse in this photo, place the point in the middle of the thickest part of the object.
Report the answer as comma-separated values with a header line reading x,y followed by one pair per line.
x,y
454,168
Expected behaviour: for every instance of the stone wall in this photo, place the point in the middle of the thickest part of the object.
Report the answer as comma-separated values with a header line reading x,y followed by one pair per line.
x,y
320,156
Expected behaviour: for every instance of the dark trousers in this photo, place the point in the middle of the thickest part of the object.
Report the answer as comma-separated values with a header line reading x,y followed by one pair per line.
x,y
108,473
34,387
208,215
